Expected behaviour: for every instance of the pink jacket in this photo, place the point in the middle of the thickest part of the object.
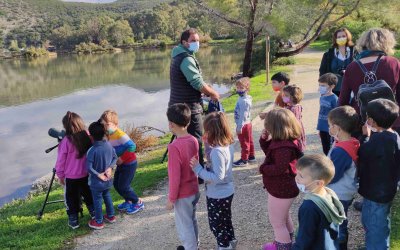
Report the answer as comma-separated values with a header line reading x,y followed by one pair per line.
x,y
67,164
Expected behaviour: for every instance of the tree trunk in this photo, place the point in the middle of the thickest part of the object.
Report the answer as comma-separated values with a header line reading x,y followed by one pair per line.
x,y
248,52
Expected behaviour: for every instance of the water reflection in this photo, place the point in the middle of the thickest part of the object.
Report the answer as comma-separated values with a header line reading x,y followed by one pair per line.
x,y
136,84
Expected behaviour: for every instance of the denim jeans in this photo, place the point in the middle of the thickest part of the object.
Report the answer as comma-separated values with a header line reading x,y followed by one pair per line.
x,y
343,231
375,218
98,196
122,182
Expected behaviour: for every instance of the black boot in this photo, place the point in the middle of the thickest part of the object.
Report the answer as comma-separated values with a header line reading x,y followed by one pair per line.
x,y
73,221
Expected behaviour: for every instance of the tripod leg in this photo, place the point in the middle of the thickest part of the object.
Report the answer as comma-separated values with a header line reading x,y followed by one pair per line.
x,y
40,214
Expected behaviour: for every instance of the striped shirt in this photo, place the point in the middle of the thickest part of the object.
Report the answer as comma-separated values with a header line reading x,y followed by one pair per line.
x,y
124,146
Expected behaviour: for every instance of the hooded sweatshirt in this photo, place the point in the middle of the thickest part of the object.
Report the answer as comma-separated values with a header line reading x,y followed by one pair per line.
x,y
279,167
319,220
344,156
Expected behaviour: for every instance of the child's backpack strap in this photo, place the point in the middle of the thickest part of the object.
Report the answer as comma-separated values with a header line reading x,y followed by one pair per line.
x,y
369,76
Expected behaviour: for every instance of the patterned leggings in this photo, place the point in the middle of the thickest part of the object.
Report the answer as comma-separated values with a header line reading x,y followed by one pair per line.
x,y
220,220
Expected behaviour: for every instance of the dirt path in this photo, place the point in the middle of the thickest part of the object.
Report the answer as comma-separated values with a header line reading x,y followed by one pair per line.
x,y
154,227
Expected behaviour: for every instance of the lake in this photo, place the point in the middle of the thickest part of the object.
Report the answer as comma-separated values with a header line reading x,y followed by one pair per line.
x,y
36,94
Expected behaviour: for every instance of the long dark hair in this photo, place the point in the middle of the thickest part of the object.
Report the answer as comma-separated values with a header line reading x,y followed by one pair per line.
x,y
75,130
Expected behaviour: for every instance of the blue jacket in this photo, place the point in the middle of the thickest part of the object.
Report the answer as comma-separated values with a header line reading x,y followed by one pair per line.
x,y
315,231
100,157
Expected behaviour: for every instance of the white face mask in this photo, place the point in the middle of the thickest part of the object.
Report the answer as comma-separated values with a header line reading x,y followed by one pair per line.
x,y
335,136
323,90
194,46
370,127
302,188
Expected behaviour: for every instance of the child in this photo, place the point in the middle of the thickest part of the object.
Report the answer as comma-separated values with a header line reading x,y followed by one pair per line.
x,y
327,102
126,163
321,211
378,171
70,167
279,80
219,179
100,159
243,122
282,149
344,154
183,185
292,96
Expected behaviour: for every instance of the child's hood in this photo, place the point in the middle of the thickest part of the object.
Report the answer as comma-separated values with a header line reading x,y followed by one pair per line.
x,y
330,205
351,147
294,144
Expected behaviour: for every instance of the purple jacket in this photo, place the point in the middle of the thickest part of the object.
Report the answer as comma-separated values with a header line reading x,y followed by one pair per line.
x,y
67,164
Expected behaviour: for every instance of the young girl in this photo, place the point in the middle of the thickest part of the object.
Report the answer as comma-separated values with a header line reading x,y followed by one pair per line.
x,y
292,96
282,148
218,179
71,169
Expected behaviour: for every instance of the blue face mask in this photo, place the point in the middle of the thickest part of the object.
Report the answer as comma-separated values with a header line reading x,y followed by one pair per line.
x,y
323,90
194,46
110,131
241,93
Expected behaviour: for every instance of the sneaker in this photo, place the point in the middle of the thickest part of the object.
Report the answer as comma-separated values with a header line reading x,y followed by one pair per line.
x,y
110,219
180,248
252,159
240,163
123,206
93,224
233,243
358,205
134,208
230,247
73,221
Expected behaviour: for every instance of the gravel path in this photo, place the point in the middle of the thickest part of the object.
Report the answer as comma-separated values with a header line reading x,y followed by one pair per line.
x,y
154,227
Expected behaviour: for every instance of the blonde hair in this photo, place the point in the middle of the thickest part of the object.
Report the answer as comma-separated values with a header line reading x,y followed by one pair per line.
x,y
376,39
282,124
217,129
295,93
110,116
319,166
348,35
244,82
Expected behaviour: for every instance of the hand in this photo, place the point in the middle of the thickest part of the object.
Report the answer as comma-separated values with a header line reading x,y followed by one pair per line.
x,y
215,96
265,135
366,130
262,115
194,162
119,161
61,181
103,176
108,172
169,205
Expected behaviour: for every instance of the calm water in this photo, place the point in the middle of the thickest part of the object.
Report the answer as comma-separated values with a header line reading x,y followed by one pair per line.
x,y
35,95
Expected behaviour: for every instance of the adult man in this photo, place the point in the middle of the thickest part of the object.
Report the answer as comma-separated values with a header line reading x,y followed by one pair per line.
x,y
187,84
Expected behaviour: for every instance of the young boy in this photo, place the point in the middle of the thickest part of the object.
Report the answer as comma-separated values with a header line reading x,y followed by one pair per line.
x,y
99,161
126,163
321,211
243,122
279,80
327,102
378,171
344,154
183,185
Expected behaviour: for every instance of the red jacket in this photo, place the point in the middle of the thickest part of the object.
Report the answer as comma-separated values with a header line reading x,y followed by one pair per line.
x,y
279,167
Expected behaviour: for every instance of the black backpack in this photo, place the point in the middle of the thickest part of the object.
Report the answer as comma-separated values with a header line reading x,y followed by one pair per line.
x,y
372,88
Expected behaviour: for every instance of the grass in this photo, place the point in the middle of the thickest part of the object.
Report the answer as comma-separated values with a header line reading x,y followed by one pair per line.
x,y
395,227
397,53
259,91
320,45
19,228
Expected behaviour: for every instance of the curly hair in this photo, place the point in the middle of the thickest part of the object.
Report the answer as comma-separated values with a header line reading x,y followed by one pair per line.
x,y
377,39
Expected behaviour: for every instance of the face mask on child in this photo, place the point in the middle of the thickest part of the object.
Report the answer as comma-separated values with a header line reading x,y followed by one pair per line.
x,y
241,92
303,188
110,131
370,127
336,135
276,88
323,90
286,99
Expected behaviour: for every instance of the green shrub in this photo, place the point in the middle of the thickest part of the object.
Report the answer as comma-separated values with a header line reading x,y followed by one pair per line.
x,y
33,52
284,61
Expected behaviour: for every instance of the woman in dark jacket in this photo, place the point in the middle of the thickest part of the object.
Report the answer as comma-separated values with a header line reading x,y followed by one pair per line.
x,y
336,59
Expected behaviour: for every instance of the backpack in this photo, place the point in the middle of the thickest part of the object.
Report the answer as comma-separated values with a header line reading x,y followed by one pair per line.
x,y
372,88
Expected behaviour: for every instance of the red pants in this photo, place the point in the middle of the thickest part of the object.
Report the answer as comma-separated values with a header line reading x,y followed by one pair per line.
x,y
246,141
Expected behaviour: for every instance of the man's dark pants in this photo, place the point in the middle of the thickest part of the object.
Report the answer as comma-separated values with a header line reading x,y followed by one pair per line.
x,y
196,129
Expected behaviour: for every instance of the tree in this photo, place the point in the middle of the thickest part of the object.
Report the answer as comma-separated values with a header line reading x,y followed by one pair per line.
x,y
61,37
120,33
252,16
14,46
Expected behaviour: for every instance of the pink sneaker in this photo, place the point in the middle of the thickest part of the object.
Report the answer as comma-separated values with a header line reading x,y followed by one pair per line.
x,y
93,224
269,246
